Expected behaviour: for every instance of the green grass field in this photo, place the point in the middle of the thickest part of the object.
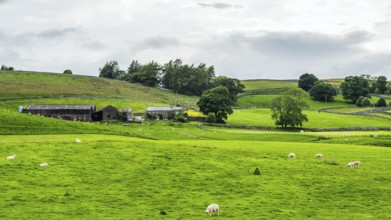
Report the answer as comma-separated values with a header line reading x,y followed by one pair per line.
x,y
134,171
111,177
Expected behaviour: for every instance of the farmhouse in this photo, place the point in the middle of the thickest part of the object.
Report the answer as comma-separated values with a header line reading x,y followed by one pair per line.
x,y
111,113
67,112
164,112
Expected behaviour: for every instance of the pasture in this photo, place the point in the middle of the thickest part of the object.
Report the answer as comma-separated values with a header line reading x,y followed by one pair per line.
x,y
114,177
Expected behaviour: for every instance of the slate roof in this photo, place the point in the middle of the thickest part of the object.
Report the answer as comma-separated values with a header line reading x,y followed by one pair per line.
x,y
163,109
62,107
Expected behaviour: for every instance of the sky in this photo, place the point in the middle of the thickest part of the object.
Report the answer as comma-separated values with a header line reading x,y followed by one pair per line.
x,y
251,39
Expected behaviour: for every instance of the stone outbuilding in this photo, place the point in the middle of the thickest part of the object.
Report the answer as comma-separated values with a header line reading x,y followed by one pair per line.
x,y
67,112
164,112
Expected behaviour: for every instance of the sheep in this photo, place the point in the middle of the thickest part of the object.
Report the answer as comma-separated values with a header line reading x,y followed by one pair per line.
x,y
292,155
11,157
44,165
350,164
356,163
212,209
78,141
319,155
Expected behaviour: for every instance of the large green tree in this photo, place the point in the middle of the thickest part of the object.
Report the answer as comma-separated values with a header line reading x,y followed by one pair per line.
x,y
287,108
147,75
353,87
234,86
307,81
322,91
381,85
216,101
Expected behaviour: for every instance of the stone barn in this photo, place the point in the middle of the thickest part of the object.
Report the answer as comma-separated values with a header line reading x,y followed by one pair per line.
x,y
67,112
164,112
106,113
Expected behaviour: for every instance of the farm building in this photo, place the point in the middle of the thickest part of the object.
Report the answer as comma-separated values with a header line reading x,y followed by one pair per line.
x,y
164,112
67,112
111,113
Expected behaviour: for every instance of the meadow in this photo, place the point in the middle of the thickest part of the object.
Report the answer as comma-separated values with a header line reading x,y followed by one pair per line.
x,y
124,170
115,177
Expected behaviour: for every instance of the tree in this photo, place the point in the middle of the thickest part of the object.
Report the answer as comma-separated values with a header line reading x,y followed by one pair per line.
x,y
353,87
365,102
4,67
233,85
322,91
133,68
110,70
381,85
148,74
216,101
67,72
359,101
307,81
287,108
381,102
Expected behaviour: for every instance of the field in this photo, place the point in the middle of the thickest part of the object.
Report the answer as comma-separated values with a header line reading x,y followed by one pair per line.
x,y
124,170
106,177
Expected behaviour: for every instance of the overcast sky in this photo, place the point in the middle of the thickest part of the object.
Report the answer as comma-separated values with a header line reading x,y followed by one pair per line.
x,y
251,39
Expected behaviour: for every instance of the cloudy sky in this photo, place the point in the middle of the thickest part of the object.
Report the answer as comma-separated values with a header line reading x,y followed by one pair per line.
x,y
252,39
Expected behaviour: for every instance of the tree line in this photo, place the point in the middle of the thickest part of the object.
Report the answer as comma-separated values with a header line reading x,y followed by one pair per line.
x,y
174,75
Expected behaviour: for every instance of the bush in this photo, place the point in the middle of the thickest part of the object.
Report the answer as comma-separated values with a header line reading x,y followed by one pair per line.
x,y
68,72
381,102
211,117
359,100
365,102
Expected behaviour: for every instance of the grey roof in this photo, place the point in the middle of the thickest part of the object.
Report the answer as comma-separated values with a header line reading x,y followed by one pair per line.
x,y
163,108
57,107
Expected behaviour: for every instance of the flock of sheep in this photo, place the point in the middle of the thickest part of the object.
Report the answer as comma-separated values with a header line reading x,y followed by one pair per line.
x,y
44,165
350,164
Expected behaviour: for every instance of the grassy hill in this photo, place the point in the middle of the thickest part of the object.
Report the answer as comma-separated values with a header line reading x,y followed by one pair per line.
x,y
134,171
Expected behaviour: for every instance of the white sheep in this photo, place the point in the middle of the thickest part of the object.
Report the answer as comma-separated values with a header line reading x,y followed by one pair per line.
x,y
292,155
350,164
78,141
319,155
44,165
212,209
11,157
356,163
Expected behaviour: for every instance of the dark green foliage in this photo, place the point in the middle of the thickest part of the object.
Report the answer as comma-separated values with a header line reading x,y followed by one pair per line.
x,y
68,72
359,100
8,68
187,79
210,117
217,101
233,85
322,91
110,70
381,85
307,81
257,172
355,86
381,102
147,75
365,102
287,108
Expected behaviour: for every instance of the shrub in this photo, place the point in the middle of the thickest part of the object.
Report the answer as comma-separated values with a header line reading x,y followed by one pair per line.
x,y
68,72
211,117
365,102
381,102
359,100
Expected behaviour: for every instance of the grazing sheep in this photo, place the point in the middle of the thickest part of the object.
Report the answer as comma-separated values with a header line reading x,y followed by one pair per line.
x,y
78,141
350,164
212,209
319,155
44,165
11,157
356,163
292,155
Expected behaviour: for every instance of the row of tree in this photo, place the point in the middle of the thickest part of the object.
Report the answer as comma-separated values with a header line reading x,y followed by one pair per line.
x,y
174,75
8,68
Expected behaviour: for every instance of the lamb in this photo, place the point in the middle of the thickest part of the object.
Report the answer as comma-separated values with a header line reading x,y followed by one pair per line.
x,y
356,163
44,165
319,155
350,164
78,141
11,157
212,209
292,155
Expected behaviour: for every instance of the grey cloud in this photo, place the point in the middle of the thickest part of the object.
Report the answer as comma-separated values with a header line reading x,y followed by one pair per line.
x,y
218,5
3,1
57,33
157,42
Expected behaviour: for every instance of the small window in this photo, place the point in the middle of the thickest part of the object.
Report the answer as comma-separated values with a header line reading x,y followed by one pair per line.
x,y
108,116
